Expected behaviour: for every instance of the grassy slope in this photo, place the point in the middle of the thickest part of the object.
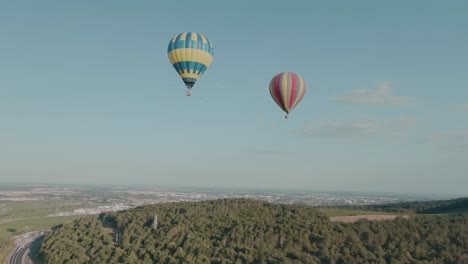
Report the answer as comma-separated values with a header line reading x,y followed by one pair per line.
x,y
443,207
20,209
14,228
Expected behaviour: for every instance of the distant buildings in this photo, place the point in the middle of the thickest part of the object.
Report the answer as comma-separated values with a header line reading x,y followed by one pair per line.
x,y
94,211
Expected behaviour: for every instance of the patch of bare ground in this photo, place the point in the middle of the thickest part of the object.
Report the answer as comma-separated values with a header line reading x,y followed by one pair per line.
x,y
108,230
354,218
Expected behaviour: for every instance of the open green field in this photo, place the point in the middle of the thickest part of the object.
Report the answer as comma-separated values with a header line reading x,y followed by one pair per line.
x,y
21,209
13,228
6,246
350,212
16,227
17,217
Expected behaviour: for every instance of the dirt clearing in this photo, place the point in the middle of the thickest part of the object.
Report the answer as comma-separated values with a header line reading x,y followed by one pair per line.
x,y
354,218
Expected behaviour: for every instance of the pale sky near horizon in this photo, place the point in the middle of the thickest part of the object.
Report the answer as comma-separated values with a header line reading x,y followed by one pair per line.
x,y
87,95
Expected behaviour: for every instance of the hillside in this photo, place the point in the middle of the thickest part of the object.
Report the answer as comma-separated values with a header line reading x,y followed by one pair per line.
x,y
446,207
453,206
250,231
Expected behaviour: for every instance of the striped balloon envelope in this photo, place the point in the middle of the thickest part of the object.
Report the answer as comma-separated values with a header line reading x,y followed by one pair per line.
x,y
287,89
190,54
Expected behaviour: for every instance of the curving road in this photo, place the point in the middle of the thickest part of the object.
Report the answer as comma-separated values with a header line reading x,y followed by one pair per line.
x,y
23,248
21,255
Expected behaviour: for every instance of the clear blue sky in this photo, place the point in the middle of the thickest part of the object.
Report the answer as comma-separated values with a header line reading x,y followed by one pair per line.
x,y
87,95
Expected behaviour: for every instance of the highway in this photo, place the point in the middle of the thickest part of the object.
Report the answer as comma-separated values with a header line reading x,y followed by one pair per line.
x,y
21,255
23,247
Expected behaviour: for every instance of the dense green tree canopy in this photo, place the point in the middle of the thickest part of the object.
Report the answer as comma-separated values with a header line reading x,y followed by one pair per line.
x,y
459,205
250,231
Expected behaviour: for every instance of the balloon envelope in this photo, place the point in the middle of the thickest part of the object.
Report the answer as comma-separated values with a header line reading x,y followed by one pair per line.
x,y
287,89
190,54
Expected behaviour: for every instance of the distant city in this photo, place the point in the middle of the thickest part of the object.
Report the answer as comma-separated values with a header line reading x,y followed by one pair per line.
x,y
88,200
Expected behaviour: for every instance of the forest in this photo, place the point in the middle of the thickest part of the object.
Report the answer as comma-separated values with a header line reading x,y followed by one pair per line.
x,y
252,231
453,206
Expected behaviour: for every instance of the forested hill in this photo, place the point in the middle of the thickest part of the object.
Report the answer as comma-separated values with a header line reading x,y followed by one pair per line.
x,y
250,231
442,207
453,206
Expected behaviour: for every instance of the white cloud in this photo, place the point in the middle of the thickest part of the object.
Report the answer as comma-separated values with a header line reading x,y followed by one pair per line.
x,y
382,95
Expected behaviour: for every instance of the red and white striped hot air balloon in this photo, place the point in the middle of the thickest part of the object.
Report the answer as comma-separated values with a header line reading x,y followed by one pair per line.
x,y
287,89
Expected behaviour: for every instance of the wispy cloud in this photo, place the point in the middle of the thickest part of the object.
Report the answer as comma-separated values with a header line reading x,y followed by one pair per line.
x,y
366,128
407,122
273,152
451,140
340,130
270,153
382,95
450,135
464,107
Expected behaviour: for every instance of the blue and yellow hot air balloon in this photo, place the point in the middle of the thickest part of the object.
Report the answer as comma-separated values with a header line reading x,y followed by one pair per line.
x,y
191,54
